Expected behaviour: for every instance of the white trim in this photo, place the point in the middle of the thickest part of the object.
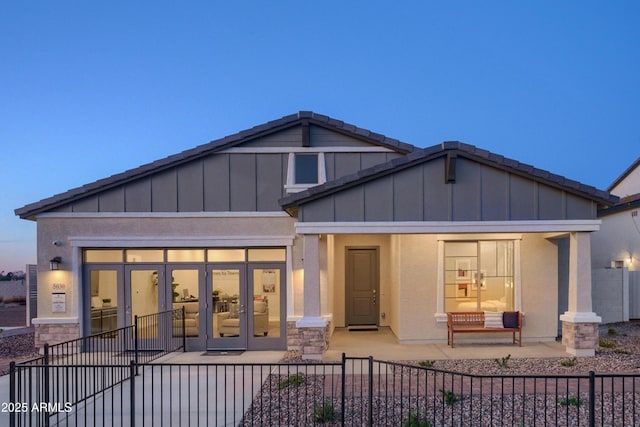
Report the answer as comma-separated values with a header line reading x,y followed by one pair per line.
x,y
517,275
287,150
580,317
179,241
440,283
478,237
312,322
438,227
179,215
55,320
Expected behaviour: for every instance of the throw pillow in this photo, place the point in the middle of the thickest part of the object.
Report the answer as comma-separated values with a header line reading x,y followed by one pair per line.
x,y
234,311
510,319
493,319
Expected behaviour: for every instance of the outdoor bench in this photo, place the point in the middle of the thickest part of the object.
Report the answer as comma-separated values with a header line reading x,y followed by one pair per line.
x,y
475,321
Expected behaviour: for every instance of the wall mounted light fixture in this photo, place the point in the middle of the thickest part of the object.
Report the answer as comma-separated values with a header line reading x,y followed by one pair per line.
x,y
54,263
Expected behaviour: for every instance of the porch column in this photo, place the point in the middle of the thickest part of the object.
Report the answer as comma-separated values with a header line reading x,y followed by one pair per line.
x,y
580,323
312,327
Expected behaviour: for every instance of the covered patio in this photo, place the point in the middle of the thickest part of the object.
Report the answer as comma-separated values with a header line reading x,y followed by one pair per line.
x,y
445,229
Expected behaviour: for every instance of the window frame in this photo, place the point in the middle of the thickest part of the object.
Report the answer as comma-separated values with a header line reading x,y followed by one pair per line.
x,y
292,186
441,314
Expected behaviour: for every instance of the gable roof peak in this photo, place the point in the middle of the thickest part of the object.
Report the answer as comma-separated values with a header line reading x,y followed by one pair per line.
x,y
243,136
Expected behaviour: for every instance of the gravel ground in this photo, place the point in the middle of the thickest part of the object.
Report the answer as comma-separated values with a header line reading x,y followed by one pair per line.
x,y
619,352
16,346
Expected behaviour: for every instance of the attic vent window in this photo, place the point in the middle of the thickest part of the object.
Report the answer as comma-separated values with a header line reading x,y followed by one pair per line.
x,y
305,170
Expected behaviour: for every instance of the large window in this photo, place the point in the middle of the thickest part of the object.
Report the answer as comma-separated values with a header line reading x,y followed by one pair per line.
x,y
479,276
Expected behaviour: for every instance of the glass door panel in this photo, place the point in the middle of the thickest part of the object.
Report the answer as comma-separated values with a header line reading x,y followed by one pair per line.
x,y
104,300
185,292
144,297
227,310
267,307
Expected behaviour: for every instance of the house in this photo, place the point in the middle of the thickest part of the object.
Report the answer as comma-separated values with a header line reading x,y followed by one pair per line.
x,y
616,251
272,237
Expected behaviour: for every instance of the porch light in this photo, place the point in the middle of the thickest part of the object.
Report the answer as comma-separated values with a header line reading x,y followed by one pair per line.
x,y
54,263
629,260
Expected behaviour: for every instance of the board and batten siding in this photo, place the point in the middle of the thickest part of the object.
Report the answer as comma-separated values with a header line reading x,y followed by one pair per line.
x,y
419,193
221,182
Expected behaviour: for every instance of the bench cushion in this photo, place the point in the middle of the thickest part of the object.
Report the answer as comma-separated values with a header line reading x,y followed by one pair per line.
x,y
510,319
493,320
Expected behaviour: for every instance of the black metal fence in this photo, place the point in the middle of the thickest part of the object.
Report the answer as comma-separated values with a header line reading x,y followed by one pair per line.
x,y
71,372
150,337
353,392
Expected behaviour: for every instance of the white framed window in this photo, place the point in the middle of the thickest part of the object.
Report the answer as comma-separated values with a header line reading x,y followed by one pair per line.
x,y
304,170
478,273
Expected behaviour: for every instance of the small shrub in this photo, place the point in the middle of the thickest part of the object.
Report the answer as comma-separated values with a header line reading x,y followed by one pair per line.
x,y
569,362
621,351
503,362
414,420
571,401
612,332
449,397
605,344
323,412
294,380
426,363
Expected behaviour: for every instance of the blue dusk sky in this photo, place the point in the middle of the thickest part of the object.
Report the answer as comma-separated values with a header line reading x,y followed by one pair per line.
x,y
89,89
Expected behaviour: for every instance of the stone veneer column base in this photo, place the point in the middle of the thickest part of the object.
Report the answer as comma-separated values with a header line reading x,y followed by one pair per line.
x,y
53,333
311,341
580,339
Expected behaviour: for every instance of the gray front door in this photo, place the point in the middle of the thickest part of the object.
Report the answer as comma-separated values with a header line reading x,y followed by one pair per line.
x,y
362,286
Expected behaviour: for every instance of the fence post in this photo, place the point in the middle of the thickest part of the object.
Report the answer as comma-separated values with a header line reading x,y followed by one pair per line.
x,y
45,382
184,330
135,341
371,391
592,398
12,392
343,388
133,371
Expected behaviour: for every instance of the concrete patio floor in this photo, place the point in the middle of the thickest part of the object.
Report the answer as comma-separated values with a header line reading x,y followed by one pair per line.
x,y
383,345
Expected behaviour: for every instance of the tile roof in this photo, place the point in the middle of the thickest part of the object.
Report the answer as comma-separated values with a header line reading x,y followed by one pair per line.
x,y
461,149
29,211
624,204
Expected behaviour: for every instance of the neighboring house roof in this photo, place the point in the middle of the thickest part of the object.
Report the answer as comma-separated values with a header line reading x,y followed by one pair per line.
x,y
624,174
300,118
452,148
624,204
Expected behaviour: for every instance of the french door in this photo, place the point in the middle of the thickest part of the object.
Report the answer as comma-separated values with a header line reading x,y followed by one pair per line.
x,y
247,309
153,288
